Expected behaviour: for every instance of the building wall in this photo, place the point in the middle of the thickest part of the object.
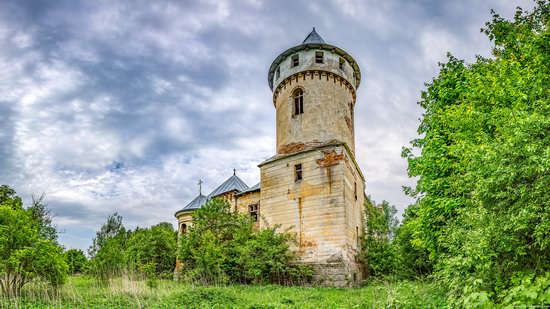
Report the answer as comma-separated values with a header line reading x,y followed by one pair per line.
x,y
328,112
244,200
317,209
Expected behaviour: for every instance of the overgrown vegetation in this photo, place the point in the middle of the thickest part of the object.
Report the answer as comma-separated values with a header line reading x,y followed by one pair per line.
x,y
483,210
28,248
85,292
144,252
224,247
477,236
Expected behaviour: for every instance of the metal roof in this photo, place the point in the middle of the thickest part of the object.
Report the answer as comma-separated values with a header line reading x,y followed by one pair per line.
x,y
197,203
231,184
313,38
256,187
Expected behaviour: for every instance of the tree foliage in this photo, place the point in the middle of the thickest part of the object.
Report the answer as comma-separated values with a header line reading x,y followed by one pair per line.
x,y
378,252
26,253
153,246
483,209
222,246
76,260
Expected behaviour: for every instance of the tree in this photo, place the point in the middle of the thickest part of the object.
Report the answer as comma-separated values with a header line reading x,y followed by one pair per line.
x,y
25,253
377,250
76,260
108,249
483,208
155,246
223,247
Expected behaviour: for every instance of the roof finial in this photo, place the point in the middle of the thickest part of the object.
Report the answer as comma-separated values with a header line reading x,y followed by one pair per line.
x,y
234,172
200,186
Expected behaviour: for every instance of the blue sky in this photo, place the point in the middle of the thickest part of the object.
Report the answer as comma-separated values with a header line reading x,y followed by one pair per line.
x,y
121,106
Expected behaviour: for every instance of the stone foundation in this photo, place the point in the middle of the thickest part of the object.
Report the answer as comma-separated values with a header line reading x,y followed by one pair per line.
x,y
338,274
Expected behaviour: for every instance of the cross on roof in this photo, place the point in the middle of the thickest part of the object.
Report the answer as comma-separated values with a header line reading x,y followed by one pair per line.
x,y
200,186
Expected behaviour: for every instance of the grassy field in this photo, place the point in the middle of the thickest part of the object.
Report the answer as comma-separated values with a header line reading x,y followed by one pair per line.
x,y
85,292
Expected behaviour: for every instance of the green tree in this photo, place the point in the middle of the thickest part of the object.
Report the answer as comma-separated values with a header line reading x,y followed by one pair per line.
x,y
25,253
108,248
378,252
154,246
483,209
222,247
76,260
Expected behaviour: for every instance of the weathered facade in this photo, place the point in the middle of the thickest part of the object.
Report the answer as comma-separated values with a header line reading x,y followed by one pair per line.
x,y
313,185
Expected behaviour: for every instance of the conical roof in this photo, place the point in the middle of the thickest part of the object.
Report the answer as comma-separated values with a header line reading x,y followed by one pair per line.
x,y
231,184
196,203
313,38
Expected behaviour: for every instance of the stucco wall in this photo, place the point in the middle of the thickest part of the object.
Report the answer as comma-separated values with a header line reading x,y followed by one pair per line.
x,y
328,112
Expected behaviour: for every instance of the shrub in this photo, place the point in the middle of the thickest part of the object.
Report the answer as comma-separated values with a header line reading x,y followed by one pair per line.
x,y
223,247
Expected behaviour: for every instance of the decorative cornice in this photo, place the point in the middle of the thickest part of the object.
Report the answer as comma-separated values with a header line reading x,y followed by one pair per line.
x,y
304,73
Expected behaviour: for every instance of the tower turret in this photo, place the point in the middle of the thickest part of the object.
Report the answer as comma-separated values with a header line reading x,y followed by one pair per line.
x,y
314,90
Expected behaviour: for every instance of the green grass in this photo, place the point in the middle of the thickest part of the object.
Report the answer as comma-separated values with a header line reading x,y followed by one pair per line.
x,y
85,292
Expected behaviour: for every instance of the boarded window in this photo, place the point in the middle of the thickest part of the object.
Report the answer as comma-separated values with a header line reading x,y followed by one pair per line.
x,y
253,211
298,97
298,172
342,63
295,61
319,57
183,228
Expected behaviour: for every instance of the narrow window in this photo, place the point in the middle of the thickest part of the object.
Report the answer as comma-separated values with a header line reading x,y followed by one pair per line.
x,y
297,172
319,57
253,211
183,229
278,73
295,61
357,233
342,63
298,97
355,190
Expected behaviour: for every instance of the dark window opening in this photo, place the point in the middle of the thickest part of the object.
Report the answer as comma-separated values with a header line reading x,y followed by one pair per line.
x,y
278,73
298,96
295,61
357,233
298,172
183,229
355,190
253,211
342,63
319,57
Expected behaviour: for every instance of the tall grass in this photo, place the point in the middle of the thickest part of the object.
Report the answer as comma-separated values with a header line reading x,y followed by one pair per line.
x,y
126,292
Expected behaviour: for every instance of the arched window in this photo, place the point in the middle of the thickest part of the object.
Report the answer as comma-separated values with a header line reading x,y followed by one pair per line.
x,y
298,96
184,229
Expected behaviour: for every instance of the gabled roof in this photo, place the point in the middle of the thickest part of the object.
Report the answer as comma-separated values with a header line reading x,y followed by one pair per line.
x,y
196,203
313,38
257,187
233,183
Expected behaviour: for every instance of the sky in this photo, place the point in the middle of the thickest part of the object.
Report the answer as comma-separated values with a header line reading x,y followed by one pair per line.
x,y
122,106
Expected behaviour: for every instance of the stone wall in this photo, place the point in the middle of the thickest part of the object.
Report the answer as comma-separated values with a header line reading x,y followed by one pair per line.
x,y
317,209
328,112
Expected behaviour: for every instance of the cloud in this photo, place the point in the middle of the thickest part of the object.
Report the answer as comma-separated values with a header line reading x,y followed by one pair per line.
x,y
122,106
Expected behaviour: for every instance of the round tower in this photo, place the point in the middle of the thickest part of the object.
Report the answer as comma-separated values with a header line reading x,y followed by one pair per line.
x,y
314,90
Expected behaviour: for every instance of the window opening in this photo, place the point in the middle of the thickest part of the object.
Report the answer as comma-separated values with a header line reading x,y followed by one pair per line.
x,y
298,172
298,97
253,211
319,57
295,61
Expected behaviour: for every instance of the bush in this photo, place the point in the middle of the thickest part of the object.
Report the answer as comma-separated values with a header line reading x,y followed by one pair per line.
x,y
224,247
76,260
25,253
